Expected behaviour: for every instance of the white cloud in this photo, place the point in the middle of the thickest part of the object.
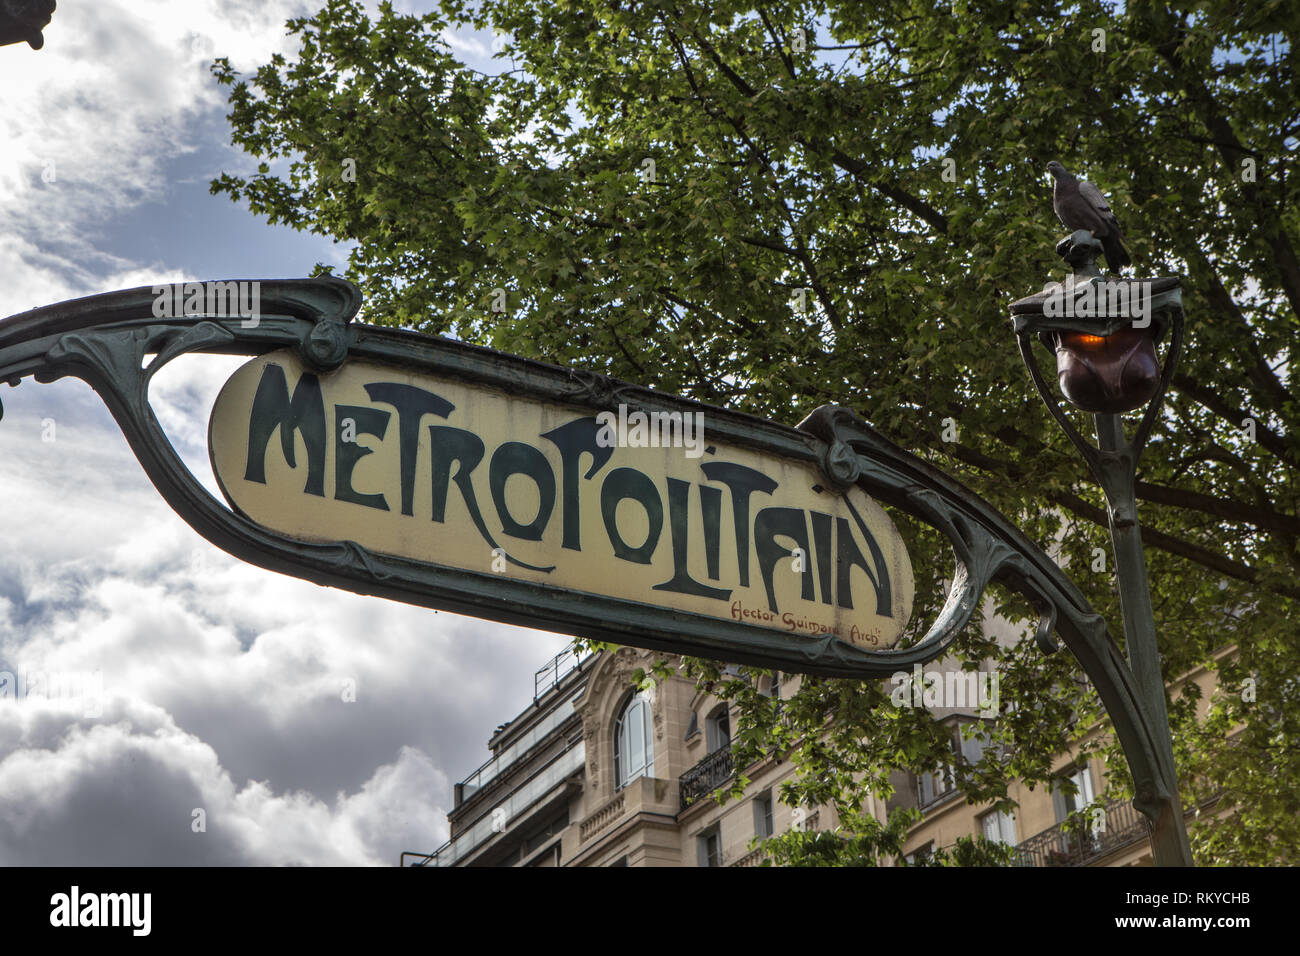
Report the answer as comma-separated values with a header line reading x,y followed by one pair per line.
x,y
237,671
90,122
221,682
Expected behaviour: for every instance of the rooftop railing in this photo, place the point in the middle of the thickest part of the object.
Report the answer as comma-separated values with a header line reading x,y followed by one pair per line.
x,y
499,762
555,670
546,677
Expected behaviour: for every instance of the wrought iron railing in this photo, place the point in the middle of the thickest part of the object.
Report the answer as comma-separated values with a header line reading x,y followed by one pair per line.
x,y
1084,836
706,776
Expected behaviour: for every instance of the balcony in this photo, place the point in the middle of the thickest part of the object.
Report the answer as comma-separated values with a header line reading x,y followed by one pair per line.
x,y
706,776
543,785
507,757
1072,843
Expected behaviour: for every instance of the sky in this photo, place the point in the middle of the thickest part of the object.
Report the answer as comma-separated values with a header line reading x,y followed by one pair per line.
x,y
162,703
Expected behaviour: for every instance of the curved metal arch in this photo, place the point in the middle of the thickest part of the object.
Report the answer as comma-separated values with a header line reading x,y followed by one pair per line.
x,y
107,340
988,548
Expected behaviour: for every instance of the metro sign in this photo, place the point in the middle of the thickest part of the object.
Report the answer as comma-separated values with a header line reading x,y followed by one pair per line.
x,y
428,471
641,506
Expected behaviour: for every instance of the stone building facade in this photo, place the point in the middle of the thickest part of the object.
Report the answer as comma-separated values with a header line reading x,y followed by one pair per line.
x,y
596,772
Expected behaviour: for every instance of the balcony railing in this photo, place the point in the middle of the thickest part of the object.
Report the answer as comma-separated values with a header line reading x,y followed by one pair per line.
x,y
706,776
603,817
1081,839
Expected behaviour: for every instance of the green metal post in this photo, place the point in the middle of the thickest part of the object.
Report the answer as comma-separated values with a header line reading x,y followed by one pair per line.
x,y
1118,464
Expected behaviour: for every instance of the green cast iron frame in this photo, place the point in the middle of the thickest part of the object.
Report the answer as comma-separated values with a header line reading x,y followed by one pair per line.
x,y
115,343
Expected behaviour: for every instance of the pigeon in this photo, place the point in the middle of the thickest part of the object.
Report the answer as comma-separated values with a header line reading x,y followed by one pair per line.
x,y
1081,205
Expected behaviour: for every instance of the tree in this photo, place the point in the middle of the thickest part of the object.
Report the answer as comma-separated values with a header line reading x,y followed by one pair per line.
x,y
775,206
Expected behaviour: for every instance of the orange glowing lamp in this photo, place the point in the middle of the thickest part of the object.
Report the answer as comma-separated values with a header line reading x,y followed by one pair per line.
x,y
1108,373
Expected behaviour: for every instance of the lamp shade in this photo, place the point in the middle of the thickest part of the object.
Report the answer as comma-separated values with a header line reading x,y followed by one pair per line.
x,y
1108,373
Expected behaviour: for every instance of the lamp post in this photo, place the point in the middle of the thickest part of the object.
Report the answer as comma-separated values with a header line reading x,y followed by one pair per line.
x,y
1104,333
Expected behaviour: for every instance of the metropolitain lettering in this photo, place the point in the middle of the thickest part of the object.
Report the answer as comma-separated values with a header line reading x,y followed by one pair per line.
x,y
678,517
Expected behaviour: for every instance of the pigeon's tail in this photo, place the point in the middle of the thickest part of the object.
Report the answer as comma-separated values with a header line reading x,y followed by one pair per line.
x,y
1117,256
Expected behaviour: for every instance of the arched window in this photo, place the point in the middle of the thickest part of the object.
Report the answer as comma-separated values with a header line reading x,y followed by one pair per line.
x,y
633,746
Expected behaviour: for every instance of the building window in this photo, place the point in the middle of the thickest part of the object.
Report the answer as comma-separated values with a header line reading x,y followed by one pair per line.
x,y
920,855
1079,829
1069,803
763,827
999,827
717,729
633,742
931,786
974,742
709,844
966,751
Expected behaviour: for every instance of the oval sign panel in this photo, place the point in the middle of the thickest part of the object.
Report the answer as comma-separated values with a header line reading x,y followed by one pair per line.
x,y
638,506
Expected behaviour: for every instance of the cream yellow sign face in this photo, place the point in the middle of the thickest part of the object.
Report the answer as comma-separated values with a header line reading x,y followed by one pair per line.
x,y
637,506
